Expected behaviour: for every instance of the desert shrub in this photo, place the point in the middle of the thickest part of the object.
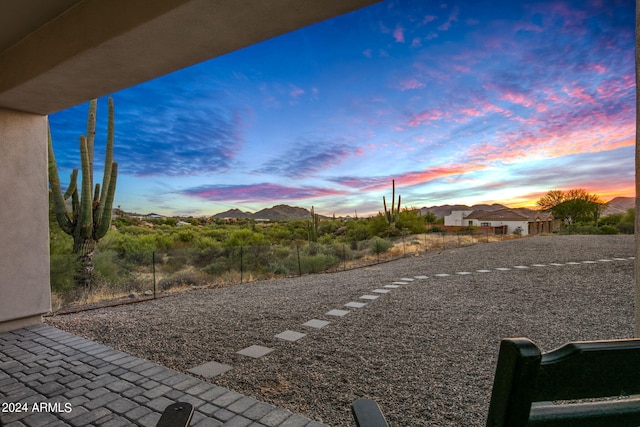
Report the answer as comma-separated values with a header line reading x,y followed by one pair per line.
x,y
175,261
580,229
612,219
136,248
185,235
279,269
219,266
183,278
109,271
356,230
411,220
608,229
245,237
626,227
281,252
379,246
62,272
310,264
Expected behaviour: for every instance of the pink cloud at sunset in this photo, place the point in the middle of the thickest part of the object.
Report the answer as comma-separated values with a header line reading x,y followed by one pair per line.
x,y
457,101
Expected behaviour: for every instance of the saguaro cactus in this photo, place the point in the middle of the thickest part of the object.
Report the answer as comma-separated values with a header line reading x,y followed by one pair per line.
x,y
392,216
90,215
313,226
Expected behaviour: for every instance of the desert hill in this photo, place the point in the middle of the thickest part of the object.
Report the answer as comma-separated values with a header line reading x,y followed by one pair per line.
x,y
619,205
275,213
286,212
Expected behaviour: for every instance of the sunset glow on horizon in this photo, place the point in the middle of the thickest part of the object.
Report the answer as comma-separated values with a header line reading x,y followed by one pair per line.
x,y
459,102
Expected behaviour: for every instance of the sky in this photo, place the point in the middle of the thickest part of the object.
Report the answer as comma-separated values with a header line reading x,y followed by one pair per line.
x,y
459,102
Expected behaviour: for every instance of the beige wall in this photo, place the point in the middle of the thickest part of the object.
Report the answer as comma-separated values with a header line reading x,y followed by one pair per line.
x,y
24,225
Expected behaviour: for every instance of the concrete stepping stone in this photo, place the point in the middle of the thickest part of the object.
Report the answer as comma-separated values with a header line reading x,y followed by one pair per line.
x,y
521,267
338,313
210,369
255,351
392,286
573,263
589,262
381,291
538,265
620,259
463,273
316,323
503,269
422,277
483,271
290,335
406,279
354,304
370,297
604,260
442,275
400,283
556,264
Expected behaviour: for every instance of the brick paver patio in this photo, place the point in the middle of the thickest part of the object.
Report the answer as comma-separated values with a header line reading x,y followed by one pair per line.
x,y
49,377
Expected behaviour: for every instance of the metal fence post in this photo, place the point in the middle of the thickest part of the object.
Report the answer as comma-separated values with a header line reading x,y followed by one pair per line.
x,y
344,256
153,267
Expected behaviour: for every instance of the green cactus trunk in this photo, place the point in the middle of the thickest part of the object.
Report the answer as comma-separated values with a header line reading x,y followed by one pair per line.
x,y
313,226
90,215
392,216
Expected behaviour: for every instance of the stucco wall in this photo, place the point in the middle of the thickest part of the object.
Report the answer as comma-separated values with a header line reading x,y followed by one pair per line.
x,y
455,219
511,225
24,225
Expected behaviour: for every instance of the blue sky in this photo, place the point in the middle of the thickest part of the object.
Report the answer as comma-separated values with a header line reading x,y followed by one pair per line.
x,y
457,101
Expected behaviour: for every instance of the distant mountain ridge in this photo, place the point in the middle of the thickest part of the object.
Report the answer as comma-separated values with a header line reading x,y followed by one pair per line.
x,y
285,212
275,213
619,205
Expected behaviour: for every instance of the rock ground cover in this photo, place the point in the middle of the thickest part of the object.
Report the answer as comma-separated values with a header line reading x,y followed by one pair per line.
x,y
425,351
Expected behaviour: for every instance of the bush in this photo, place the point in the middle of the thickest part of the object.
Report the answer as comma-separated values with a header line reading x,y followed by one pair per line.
x,y
379,246
608,229
108,270
183,278
62,273
316,263
580,229
626,228
219,266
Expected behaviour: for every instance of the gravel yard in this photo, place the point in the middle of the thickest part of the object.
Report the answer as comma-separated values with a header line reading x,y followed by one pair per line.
x,y
425,351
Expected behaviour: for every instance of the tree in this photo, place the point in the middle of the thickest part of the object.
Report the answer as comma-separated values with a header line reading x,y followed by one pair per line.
x,y
90,216
572,205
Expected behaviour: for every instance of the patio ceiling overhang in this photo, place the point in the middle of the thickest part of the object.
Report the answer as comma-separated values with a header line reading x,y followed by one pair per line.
x,y
55,54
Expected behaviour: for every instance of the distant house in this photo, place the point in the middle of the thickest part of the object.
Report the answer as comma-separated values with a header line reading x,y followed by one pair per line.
x,y
503,221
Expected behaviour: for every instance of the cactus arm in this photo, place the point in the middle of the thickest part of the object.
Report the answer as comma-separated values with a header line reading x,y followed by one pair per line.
x,y
75,205
104,222
108,161
91,135
62,216
96,199
73,184
86,211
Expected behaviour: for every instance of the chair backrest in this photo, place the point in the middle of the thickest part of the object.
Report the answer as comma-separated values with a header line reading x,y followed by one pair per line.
x,y
527,381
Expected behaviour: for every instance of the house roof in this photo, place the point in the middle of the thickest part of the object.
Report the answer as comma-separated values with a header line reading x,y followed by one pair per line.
x,y
510,214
